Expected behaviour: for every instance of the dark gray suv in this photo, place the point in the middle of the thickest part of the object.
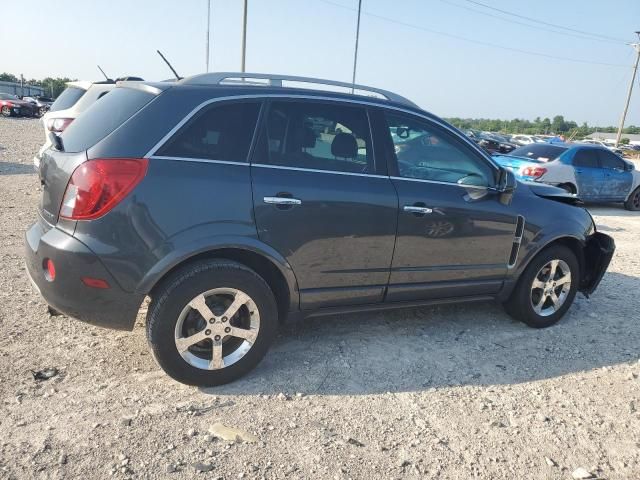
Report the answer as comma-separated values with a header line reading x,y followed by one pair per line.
x,y
235,201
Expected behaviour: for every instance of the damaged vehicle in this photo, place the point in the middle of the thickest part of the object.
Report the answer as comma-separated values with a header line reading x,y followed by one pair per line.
x,y
593,173
237,201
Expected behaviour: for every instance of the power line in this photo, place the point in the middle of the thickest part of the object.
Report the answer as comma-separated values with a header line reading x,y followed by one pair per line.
x,y
476,42
545,23
536,27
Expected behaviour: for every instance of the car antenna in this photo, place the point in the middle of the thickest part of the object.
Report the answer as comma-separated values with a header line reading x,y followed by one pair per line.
x,y
105,75
178,77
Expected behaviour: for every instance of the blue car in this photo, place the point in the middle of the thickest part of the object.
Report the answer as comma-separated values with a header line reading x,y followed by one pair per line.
x,y
593,173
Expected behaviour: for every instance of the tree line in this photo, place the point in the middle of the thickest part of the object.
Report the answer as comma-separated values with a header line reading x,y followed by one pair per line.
x,y
558,125
52,86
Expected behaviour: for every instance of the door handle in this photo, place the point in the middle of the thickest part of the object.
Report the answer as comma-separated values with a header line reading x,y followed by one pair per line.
x,y
282,201
417,209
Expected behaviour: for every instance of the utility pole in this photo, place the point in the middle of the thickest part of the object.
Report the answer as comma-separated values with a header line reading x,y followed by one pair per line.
x,y
355,52
208,37
636,46
22,84
244,37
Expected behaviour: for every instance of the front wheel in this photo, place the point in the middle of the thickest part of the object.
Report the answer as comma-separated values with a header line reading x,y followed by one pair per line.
x,y
6,111
211,322
546,288
633,202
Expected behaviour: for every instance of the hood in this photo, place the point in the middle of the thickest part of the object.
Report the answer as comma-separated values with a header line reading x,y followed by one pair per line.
x,y
553,193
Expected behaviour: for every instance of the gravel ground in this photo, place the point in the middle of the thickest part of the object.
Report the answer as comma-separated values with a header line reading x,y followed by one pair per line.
x,y
443,392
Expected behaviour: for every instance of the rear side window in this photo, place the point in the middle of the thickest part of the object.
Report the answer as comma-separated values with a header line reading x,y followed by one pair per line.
x,y
610,160
586,157
217,132
103,117
67,99
319,136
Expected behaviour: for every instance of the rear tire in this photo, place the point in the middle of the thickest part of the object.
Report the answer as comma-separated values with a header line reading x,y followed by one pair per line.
x,y
203,350
541,299
6,111
633,202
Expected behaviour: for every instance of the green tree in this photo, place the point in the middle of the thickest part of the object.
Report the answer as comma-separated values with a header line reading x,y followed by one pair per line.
x,y
624,141
8,77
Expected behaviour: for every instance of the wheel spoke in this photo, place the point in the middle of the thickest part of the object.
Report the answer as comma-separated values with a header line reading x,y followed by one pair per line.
x,y
216,356
566,278
248,334
537,284
538,306
239,300
200,305
556,301
552,270
184,343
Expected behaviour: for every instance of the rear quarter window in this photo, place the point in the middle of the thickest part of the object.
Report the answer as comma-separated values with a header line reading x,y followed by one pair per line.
x,y
67,99
103,117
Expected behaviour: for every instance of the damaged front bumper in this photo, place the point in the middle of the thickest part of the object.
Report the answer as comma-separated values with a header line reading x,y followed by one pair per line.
x,y
598,252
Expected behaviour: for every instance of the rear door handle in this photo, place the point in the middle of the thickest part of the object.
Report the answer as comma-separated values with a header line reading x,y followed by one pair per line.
x,y
282,201
417,209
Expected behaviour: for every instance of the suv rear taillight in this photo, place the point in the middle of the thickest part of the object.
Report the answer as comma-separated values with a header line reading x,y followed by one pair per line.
x,y
58,125
534,172
97,186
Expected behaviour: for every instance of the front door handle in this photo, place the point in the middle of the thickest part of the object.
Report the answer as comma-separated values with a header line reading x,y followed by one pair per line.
x,y
417,209
282,201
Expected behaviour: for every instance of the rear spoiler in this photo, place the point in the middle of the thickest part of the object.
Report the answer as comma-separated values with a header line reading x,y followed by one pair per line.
x,y
154,88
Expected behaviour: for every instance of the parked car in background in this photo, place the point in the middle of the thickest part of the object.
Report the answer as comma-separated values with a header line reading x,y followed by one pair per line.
x,y
593,173
606,145
236,206
520,139
43,103
75,99
494,144
12,106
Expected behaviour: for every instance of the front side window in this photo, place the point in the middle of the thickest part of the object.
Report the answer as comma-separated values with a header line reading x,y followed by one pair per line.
x,y
319,136
586,157
424,152
610,160
217,132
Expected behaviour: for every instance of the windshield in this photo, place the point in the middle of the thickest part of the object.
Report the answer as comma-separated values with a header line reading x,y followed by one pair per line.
x,y
67,99
539,151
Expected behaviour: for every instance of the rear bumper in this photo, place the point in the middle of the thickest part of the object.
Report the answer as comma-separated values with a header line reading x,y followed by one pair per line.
x,y
105,307
597,256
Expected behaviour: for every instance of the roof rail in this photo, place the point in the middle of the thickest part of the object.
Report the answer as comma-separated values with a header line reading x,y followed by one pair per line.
x,y
275,80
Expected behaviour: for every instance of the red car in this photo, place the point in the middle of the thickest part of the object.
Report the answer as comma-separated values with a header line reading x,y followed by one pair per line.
x,y
11,105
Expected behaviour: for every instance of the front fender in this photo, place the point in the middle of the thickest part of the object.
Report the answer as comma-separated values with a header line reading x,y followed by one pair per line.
x,y
209,245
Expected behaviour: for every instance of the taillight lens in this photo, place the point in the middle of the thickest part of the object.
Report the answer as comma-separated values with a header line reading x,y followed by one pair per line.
x,y
97,186
58,124
534,172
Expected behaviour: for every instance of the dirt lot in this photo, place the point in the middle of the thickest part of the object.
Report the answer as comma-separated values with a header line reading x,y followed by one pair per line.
x,y
448,392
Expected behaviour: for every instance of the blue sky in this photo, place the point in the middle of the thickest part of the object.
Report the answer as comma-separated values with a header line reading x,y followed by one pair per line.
x,y
445,75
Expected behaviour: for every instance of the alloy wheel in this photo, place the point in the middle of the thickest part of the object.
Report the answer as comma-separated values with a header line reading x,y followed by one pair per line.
x,y
217,328
550,287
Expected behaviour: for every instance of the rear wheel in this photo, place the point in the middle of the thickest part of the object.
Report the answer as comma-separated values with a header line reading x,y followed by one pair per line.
x,y
211,322
633,202
6,111
546,288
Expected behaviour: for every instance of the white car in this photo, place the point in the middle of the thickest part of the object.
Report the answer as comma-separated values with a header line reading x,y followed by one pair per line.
x,y
76,98
606,145
525,139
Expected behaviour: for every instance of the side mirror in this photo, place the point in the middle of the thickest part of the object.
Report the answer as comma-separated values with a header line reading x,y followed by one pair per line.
x,y
628,167
507,182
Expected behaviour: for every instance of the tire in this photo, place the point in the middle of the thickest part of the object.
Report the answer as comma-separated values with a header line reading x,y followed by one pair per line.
x,y
6,111
172,318
633,202
521,303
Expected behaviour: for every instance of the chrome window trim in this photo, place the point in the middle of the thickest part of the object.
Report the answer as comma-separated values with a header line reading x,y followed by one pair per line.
x,y
477,187
263,96
314,170
198,160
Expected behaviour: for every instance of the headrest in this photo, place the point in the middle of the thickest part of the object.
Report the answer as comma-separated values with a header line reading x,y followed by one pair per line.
x,y
344,145
308,137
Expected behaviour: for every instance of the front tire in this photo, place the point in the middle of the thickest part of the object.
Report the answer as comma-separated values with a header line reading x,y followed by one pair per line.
x,y
6,111
633,202
546,289
211,322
